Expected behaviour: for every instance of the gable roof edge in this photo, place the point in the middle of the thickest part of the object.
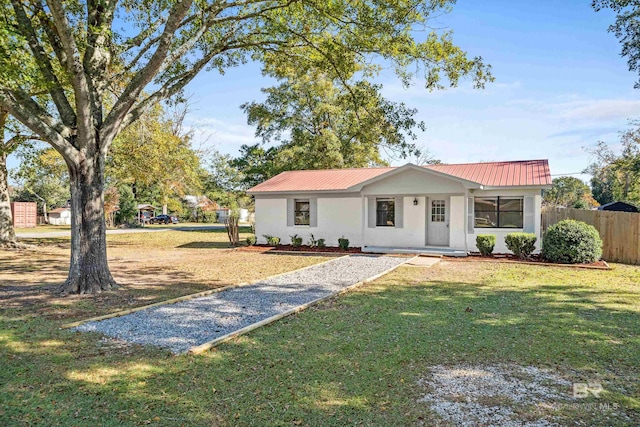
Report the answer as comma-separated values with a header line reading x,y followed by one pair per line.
x,y
410,166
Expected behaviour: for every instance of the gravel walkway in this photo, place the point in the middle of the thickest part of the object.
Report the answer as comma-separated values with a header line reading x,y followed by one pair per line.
x,y
186,324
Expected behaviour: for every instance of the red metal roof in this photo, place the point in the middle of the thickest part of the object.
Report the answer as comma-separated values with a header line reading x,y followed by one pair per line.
x,y
318,180
494,174
501,174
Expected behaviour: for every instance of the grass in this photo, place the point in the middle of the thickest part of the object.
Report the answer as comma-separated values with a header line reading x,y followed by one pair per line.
x,y
354,360
150,267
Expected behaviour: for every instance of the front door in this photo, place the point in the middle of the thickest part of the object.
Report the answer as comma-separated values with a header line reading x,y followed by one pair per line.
x,y
438,221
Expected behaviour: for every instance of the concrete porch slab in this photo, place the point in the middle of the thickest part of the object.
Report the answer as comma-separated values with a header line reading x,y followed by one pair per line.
x,y
423,261
426,250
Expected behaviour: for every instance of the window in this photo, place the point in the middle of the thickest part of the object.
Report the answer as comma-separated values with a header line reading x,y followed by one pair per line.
x,y
437,211
302,212
498,212
385,212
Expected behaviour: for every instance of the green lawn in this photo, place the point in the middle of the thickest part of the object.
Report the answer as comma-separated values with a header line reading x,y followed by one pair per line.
x,y
355,360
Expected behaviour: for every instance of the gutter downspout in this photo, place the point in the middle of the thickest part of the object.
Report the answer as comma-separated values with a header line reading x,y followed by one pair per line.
x,y
466,220
363,218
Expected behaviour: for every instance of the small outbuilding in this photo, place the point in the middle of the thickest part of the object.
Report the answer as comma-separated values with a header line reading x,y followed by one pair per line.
x,y
145,212
60,216
618,207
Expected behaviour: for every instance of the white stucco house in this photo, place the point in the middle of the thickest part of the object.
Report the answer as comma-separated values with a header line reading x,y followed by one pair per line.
x,y
434,208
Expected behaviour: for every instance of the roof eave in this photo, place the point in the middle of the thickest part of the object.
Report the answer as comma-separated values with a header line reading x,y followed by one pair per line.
x,y
271,193
519,187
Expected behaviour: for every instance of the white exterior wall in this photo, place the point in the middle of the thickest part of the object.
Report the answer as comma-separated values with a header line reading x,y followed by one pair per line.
x,y
337,216
62,218
412,234
501,233
457,222
413,182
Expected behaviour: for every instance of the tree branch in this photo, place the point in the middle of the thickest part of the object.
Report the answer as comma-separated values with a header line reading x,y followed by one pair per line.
x,y
31,115
76,70
58,96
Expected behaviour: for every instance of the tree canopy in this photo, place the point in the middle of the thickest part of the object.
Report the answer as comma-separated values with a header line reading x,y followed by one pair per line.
x,y
626,28
322,123
569,192
616,175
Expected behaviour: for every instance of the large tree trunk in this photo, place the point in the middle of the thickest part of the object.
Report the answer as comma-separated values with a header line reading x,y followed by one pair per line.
x,y
89,270
7,234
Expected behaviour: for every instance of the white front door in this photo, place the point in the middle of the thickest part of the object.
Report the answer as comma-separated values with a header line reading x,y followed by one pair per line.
x,y
438,221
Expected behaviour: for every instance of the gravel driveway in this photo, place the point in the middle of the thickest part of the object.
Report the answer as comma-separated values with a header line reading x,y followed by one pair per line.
x,y
186,324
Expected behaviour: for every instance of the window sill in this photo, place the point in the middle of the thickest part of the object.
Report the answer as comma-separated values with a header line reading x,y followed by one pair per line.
x,y
498,228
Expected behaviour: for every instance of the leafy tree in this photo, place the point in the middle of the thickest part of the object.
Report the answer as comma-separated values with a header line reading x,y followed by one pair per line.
x,y
127,205
569,192
625,28
103,64
616,176
225,183
43,177
322,122
154,155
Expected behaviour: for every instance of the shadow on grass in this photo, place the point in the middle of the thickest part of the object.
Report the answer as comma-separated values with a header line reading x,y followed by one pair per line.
x,y
353,360
206,245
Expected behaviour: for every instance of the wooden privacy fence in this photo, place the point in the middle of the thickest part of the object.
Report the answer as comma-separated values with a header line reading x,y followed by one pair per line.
x,y
619,231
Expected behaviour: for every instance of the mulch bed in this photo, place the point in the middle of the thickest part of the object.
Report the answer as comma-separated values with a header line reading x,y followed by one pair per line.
x,y
535,260
289,248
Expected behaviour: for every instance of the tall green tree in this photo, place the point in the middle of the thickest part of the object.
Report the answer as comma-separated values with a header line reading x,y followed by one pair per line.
x,y
43,177
103,64
626,28
223,182
616,175
569,192
154,155
321,122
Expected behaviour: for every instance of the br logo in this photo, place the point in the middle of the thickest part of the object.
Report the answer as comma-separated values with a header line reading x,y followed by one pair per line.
x,y
582,390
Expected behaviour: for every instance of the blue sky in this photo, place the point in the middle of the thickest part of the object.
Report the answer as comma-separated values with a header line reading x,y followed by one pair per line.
x,y
560,85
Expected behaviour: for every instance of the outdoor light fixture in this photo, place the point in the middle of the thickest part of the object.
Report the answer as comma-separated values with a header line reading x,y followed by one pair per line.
x,y
415,201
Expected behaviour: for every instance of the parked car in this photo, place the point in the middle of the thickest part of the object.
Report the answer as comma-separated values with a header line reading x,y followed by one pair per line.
x,y
164,219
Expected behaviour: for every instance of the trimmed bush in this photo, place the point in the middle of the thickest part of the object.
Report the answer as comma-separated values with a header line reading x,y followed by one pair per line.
x,y
486,243
271,240
343,243
572,242
321,243
296,241
251,240
521,244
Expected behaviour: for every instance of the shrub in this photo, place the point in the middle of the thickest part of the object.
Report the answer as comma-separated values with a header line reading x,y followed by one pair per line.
x,y
343,243
316,243
521,244
572,242
296,241
271,240
485,243
251,240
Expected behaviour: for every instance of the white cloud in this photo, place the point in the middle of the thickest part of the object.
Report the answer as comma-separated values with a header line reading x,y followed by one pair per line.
x,y
601,109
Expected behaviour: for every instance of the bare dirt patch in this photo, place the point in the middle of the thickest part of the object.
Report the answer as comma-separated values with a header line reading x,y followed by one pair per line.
x,y
497,395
